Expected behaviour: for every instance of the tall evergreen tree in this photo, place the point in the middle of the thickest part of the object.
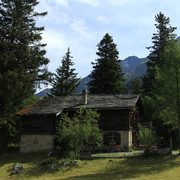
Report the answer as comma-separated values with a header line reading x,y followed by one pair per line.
x,y
159,40
22,61
136,86
167,88
107,76
65,81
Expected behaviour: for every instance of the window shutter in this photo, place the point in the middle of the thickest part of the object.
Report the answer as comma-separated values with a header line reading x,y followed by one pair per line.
x,y
118,138
105,139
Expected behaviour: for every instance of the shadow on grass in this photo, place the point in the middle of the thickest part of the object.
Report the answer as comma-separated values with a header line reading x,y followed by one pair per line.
x,y
31,162
133,167
28,160
21,158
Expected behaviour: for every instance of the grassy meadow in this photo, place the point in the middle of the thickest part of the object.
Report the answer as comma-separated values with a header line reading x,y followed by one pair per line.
x,y
167,167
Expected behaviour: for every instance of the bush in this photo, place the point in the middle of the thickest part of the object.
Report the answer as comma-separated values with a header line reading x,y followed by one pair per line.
x,y
147,138
73,134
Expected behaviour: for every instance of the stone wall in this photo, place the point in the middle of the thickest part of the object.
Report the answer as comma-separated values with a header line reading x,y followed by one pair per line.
x,y
36,143
125,141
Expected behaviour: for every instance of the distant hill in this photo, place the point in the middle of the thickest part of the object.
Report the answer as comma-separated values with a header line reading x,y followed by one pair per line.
x,y
43,93
178,38
130,63
132,66
137,70
83,84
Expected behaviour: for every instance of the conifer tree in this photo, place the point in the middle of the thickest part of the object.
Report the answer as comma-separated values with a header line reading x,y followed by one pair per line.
x,y
22,61
159,40
136,86
167,88
107,76
65,81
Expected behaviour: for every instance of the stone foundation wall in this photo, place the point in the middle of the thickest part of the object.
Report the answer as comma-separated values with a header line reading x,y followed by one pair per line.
x,y
36,143
125,139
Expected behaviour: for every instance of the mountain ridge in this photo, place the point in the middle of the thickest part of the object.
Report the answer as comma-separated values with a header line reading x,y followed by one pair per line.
x,y
132,66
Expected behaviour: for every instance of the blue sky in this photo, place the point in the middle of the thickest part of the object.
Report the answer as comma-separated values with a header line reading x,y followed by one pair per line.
x,y
81,24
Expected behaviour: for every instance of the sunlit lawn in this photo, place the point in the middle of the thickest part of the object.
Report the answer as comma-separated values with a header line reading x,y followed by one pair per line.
x,y
167,167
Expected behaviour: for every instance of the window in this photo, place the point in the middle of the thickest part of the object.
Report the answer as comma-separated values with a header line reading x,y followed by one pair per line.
x,y
112,138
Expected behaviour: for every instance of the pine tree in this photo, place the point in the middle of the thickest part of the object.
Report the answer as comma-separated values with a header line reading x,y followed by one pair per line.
x,y
167,88
65,81
136,86
107,76
159,40
22,61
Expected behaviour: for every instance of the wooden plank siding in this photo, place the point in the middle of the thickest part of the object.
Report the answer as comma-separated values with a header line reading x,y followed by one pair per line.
x,y
134,119
38,125
114,120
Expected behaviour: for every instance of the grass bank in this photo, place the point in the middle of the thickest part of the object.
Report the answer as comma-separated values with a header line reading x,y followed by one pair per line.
x,y
167,167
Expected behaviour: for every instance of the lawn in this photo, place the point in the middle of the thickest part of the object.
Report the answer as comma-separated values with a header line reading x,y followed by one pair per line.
x,y
167,167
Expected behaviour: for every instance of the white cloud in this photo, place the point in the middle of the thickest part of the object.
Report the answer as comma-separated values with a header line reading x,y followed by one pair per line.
x,y
43,6
46,5
59,2
94,3
55,17
54,40
119,2
104,19
79,26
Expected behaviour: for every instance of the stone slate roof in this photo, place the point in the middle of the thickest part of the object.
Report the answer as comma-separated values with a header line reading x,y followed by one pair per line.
x,y
57,104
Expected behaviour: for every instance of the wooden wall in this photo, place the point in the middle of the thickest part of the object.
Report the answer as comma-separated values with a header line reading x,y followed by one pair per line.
x,y
116,120
38,124
110,120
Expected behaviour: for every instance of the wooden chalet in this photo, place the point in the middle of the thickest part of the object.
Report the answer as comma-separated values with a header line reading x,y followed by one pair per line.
x,y
119,115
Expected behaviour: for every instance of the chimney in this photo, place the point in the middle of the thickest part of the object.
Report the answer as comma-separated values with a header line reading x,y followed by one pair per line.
x,y
84,97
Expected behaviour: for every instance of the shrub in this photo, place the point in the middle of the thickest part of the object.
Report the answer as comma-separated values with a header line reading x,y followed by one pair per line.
x,y
73,134
147,138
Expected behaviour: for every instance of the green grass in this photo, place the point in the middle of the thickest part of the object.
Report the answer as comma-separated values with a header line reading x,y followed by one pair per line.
x,y
167,167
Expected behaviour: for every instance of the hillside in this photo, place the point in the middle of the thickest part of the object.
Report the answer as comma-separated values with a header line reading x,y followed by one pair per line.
x,y
130,63
132,66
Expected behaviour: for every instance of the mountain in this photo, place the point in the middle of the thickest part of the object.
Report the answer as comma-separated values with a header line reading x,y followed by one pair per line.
x,y
136,70
43,93
130,63
83,84
178,38
132,66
